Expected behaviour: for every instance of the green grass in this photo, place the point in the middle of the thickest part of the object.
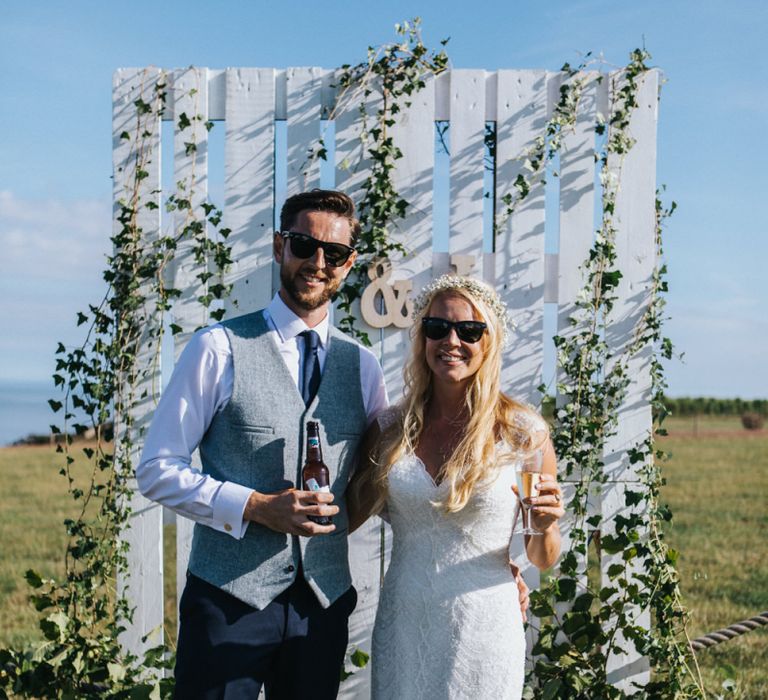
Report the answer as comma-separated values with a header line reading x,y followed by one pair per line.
x,y
717,486
33,505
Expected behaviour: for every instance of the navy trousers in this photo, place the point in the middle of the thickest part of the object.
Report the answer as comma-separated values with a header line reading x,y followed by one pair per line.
x,y
227,649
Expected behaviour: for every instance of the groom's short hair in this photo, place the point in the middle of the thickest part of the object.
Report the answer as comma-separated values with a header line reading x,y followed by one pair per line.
x,y
320,200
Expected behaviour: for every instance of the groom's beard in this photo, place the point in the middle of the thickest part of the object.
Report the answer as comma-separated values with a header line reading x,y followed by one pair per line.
x,y
309,300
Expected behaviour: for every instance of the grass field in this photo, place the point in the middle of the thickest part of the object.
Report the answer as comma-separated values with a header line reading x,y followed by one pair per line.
x,y
717,488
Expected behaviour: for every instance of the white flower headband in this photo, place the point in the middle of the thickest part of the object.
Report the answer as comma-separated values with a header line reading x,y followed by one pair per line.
x,y
476,289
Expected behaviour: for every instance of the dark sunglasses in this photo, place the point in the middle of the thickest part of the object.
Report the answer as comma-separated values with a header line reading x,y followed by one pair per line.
x,y
468,331
304,246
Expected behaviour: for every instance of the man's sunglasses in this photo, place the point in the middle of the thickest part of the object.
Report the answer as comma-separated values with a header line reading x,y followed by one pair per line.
x,y
468,331
304,246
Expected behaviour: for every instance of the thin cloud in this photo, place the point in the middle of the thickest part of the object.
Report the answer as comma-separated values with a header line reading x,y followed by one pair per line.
x,y
52,257
53,238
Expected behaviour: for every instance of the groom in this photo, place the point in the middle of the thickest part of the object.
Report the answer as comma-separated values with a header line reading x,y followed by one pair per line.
x,y
268,591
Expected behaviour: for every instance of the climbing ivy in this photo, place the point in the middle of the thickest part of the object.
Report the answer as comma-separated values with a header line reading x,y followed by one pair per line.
x,y
389,78
582,624
82,614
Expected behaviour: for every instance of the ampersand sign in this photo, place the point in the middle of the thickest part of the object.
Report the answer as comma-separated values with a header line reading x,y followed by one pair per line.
x,y
394,298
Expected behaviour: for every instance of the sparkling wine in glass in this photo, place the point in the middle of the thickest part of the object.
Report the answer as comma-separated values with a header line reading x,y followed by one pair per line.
x,y
528,476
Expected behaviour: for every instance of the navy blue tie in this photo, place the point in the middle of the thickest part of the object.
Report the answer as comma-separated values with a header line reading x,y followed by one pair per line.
x,y
310,370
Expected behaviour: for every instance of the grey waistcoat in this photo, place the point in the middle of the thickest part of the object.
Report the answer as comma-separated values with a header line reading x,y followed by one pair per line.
x,y
258,440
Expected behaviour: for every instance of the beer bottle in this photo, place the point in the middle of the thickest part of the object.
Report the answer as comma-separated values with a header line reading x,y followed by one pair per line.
x,y
315,475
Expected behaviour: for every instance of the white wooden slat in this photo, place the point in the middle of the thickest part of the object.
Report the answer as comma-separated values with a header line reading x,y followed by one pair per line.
x,y
576,231
351,169
190,175
521,111
249,197
467,164
304,95
636,258
143,584
519,245
577,202
414,135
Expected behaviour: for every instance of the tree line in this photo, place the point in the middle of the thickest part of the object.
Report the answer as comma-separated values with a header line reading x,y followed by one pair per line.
x,y
702,405
693,406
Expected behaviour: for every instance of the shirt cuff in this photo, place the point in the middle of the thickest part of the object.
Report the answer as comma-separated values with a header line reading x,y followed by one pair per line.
x,y
228,509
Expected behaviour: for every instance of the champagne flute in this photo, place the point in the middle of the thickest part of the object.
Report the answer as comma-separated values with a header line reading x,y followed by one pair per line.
x,y
528,472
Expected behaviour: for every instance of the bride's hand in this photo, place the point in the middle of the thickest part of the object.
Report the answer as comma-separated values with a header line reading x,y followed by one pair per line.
x,y
547,506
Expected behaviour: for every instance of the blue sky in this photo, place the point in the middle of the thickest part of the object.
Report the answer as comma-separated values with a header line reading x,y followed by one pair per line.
x,y
55,140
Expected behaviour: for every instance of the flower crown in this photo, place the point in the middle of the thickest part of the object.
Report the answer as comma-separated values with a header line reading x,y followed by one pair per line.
x,y
476,289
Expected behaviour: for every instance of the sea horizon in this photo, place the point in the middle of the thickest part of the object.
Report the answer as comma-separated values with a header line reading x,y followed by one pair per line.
x,y
24,409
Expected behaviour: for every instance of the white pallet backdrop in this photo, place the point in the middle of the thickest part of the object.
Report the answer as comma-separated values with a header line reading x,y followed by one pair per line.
x,y
251,100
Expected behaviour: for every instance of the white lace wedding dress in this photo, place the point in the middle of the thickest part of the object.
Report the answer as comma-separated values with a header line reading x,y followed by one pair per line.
x,y
448,623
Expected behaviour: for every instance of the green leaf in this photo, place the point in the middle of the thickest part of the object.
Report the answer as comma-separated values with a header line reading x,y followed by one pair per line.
x,y
566,589
583,602
33,578
551,689
359,658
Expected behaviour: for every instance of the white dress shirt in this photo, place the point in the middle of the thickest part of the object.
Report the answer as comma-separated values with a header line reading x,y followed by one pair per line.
x,y
200,387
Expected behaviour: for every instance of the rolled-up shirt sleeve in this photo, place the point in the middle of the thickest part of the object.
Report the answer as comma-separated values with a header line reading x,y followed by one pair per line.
x,y
201,385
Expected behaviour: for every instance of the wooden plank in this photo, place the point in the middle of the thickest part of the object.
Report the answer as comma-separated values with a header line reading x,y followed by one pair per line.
x,y
577,202
414,135
467,158
521,110
143,584
519,258
190,173
304,96
636,258
249,197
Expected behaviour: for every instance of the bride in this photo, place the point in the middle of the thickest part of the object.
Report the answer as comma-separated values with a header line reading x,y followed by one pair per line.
x,y
441,467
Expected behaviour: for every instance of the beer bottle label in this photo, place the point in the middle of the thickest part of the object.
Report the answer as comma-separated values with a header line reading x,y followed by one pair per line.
x,y
312,485
313,442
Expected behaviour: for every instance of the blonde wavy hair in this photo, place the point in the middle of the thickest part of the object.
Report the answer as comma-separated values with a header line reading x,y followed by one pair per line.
x,y
499,430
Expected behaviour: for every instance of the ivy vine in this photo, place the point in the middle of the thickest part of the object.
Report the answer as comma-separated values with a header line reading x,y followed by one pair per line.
x,y
390,76
82,615
572,648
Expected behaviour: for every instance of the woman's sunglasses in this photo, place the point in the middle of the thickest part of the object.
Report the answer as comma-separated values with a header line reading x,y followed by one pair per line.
x,y
468,331
304,246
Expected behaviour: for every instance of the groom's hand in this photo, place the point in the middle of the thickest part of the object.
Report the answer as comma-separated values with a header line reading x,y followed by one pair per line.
x,y
288,511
